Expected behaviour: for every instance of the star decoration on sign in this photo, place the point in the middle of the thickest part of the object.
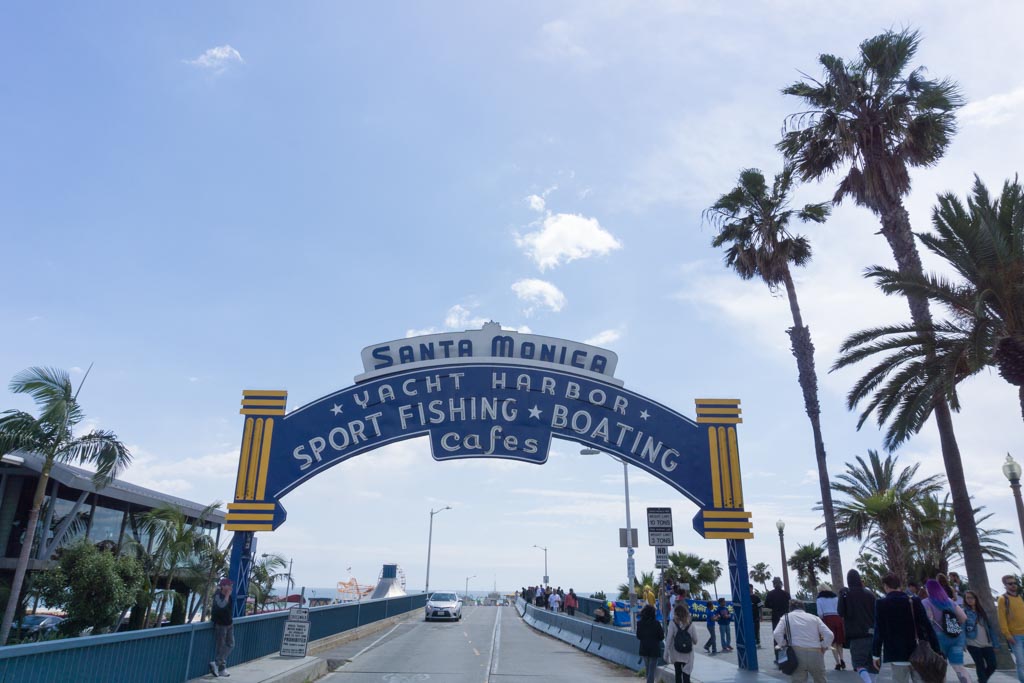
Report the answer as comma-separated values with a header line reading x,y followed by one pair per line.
x,y
336,410
535,412
644,414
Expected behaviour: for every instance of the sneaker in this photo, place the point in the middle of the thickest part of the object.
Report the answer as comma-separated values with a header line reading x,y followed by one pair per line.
x,y
213,669
224,673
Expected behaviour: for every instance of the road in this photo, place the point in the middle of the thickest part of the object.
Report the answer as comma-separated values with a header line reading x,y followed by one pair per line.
x,y
489,645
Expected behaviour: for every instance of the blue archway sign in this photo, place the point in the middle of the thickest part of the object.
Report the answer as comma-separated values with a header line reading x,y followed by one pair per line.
x,y
492,393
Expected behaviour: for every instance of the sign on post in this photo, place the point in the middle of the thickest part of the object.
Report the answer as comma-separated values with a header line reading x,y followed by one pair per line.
x,y
295,639
659,527
634,537
661,557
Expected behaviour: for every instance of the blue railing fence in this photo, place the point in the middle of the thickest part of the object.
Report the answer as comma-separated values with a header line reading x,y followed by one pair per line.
x,y
174,654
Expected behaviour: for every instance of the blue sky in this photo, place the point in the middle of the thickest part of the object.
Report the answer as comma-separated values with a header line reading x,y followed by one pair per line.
x,y
203,198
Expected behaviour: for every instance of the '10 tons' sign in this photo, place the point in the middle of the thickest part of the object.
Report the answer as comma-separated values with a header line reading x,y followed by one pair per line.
x,y
659,527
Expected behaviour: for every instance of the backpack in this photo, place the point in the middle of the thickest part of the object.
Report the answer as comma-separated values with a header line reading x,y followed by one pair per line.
x,y
683,642
950,624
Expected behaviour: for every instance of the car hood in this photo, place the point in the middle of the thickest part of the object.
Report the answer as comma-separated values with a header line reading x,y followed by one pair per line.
x,y
442,603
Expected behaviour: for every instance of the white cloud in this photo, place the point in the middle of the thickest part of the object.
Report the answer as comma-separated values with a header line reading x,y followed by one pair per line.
x,y
559,40
461,318
604,337
566,237
217,59
539,293
536,203
994,109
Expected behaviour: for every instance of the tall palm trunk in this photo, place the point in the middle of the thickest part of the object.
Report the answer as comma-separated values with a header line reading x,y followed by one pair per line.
x,y
897,231
803,351
26,552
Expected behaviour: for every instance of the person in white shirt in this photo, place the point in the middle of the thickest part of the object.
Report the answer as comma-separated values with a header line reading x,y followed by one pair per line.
x,y
554,601
810,639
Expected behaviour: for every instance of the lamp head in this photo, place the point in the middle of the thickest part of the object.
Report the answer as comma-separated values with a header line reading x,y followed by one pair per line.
x,y
590,451
780,525
1011,469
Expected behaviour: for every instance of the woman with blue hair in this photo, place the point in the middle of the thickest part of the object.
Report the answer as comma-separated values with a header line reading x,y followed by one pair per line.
x,y
947,619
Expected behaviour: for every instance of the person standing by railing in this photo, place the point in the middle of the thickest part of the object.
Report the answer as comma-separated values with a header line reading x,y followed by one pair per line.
x,y
223,628
571,603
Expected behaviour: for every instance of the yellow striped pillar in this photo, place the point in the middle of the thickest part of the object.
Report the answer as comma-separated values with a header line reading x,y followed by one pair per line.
x,y
251,511
725,516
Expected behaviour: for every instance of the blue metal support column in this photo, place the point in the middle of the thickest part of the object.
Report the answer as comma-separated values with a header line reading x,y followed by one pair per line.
x,y
242,549
739,584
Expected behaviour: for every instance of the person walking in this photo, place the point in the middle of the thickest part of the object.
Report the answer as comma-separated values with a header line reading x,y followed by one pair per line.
x,y
571,603
680,641
650,634
809,637
981,636
777,601
1010,607
857,608
539,597
755,612
223,628
710,647
554,601
947,620
828,610
724,624
900,621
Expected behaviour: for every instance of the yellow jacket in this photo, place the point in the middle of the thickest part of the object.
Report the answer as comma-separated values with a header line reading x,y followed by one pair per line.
x,y
1011,615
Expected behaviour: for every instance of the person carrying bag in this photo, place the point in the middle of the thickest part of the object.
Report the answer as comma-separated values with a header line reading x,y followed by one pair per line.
x,y
805,638
680,642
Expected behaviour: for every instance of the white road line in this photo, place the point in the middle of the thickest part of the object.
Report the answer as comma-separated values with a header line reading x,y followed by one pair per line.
x,y
353,657
492,662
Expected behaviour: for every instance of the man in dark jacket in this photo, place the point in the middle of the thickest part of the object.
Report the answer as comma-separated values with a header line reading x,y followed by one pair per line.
x,y
857,608
777,601
896,617
224,630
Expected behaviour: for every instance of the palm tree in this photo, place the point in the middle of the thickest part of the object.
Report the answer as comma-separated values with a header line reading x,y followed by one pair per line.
x,y
807,560
640,584
690,569
874,120
714,568
51,434
177,541
935,543
754,222
871,570
761,574
984,244
265,572
880,504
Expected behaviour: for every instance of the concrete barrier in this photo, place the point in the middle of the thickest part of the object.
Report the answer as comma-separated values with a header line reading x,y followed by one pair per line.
x,y
621,647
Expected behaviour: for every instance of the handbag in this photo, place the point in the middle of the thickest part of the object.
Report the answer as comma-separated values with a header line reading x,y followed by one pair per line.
x,y
787,656
929,664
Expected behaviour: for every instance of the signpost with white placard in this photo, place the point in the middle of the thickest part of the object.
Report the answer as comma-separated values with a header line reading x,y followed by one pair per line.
x,y
295,639
661,557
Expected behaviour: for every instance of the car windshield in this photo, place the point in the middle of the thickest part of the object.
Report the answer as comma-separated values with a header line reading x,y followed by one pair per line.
x,y
443,597
32,620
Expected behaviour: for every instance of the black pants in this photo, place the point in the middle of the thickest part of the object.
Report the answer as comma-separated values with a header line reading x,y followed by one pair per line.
x,y
681,676
984,661
571,611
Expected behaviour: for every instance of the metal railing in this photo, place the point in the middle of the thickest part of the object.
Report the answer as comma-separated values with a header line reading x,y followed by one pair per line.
x,y
174,654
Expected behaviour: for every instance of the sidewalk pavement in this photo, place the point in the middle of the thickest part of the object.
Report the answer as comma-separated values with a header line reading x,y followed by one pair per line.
x,y
273,669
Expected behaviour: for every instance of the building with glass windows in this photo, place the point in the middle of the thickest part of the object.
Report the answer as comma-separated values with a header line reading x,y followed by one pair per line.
x,y
74,508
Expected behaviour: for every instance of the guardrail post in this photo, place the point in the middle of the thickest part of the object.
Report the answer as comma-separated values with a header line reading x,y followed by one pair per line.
x,y
188,660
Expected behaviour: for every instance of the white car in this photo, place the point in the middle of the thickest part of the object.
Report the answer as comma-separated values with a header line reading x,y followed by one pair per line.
x,y
443,606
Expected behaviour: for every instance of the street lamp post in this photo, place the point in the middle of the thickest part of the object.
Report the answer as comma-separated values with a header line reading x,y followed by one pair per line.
x,y
630,563
288,590
1012,470
466,592
781,526
430,541
545,562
